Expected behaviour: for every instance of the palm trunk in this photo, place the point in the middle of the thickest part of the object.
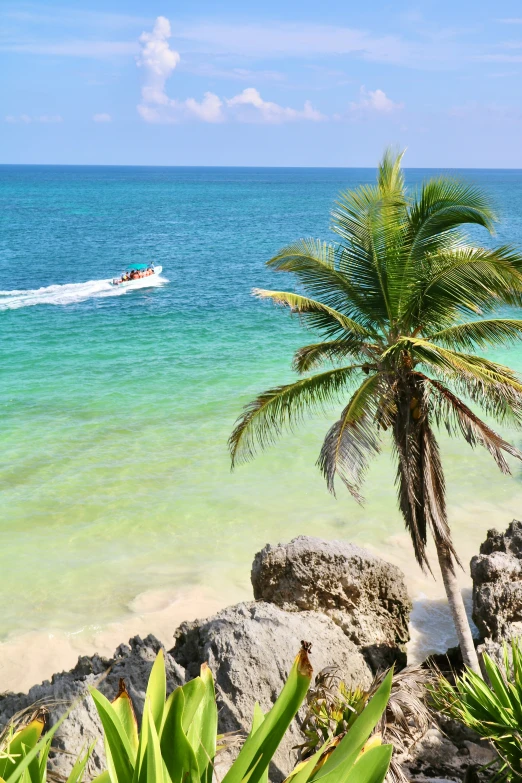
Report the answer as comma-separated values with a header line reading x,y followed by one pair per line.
x,y
458,611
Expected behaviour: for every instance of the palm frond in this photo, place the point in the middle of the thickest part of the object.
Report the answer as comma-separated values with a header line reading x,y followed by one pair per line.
x,y
443,204
455,363
449,411
466,280
273,411
420,482
310,357
353,439
390,176
318,315
495,331
314,264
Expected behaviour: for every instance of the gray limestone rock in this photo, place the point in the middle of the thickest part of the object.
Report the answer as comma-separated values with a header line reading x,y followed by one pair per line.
x,y
363,594
497,584
82,726
250,649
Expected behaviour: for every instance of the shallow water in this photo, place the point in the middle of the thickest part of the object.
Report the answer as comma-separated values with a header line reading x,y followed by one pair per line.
x,y
116,406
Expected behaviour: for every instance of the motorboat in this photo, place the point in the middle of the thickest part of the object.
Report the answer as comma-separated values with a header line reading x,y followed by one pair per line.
x,y
138,276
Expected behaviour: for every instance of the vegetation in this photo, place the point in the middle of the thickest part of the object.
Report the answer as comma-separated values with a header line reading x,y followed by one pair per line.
x,y
177,741
24,753
393,301
333,708
493,710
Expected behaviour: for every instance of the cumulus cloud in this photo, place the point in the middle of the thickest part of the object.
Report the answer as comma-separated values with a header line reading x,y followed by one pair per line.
x,y
26,119
158,62
252,108
102,117
374,101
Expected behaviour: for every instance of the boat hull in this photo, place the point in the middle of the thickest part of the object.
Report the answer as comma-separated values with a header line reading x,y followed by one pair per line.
x,y
140,282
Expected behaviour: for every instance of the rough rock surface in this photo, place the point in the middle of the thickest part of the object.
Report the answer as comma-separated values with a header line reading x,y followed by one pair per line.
x,y
497,584
438,758
363,594
250,649
133,663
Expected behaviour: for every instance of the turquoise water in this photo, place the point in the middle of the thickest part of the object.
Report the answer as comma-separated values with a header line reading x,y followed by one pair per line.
x,y
116,406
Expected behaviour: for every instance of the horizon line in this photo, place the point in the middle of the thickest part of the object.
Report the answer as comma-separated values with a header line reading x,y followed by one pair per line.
x,y
236,166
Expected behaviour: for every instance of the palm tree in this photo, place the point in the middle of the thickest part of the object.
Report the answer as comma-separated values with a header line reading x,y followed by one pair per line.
x,y
394,301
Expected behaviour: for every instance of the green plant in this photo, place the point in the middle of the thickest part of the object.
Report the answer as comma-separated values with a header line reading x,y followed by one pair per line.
x,y
392,302
177,740
492,709
332,707
24,753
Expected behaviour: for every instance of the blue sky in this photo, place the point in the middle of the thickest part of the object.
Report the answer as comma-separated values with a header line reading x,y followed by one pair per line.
x,y
272,83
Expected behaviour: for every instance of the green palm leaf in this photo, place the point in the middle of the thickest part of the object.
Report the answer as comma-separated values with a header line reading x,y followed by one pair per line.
x,y
354,439
276,409
319,315
495,331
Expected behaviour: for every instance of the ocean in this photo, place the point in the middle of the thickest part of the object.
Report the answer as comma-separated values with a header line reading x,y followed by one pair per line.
x,y
117,498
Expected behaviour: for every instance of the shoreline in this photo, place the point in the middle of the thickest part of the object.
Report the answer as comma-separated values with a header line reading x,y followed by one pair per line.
x,y
160,612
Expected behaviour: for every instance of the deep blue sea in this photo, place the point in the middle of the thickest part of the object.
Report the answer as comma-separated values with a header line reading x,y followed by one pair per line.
x,y
117,499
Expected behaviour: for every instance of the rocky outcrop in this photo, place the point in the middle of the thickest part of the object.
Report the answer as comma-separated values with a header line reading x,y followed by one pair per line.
x,y
82,726
351,605
438,758
250,649
363,594
497,584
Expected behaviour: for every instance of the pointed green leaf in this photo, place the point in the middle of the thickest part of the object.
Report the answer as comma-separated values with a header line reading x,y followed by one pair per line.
x,y
372,766
157,689
124,709
351,745
178,754
259,748
120,756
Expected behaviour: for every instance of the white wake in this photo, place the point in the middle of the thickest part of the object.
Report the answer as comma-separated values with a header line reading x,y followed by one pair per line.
x,y
71,293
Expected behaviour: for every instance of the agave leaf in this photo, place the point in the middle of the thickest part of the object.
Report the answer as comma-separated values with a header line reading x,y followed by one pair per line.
x,y
303,771
104,777
348,750
42,759
124,709
257,719
372,766
178,754
78,769
194,693
157,689
28,736
259,748
142,748
155,767
120,756
22,766
202,733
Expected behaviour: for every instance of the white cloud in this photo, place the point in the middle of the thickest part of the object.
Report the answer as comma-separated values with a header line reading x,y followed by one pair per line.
x,y
252,108
208,110
26,119
102,117
511,20
374,101
159,61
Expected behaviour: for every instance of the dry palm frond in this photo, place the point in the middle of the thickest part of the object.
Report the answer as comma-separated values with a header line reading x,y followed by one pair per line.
x,y
332,708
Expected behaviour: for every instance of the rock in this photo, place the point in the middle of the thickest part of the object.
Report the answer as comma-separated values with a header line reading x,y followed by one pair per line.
x,y
82,726
497,584
363,594
250,649
435,757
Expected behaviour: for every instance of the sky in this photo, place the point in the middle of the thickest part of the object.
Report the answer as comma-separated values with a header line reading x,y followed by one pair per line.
x,y
277,83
